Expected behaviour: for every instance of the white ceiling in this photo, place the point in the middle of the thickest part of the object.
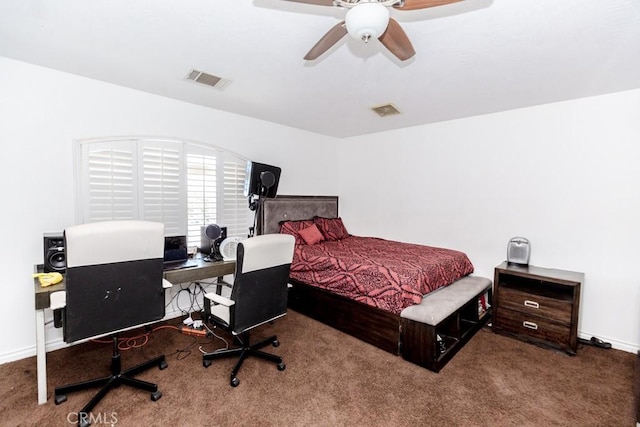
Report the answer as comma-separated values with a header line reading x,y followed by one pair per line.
x,y
472,57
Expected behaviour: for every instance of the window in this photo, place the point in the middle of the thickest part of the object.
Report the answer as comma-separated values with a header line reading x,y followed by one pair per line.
x,y
183,184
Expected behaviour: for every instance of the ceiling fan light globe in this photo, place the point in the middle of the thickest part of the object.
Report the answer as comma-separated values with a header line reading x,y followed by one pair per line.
x,y
366,21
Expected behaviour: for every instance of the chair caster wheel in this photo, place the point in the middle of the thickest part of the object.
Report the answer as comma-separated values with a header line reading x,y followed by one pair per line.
x,y
163,365
275,343
281,366
234,382
206,363
156,395
60,398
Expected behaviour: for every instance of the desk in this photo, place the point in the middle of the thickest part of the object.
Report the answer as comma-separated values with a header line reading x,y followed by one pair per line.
x,y
204,270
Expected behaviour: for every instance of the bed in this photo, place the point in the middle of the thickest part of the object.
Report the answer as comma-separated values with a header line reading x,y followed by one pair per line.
x,y
364,285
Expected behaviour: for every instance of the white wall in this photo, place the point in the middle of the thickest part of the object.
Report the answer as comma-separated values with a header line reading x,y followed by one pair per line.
x,y
564,175
43,111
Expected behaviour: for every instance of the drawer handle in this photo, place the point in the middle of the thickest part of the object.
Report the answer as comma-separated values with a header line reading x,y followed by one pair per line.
x,y
531,304
529,325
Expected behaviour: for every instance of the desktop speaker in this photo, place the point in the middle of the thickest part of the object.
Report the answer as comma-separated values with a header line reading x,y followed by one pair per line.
x,y
55,259
518,251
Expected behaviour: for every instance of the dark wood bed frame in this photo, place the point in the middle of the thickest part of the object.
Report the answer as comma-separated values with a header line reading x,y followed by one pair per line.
x,y
413,341
370,324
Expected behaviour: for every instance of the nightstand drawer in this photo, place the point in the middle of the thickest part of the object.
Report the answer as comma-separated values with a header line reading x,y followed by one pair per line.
x,y
537,305
518,323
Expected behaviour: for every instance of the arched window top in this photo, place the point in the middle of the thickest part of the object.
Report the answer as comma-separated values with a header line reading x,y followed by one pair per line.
x,y
184,184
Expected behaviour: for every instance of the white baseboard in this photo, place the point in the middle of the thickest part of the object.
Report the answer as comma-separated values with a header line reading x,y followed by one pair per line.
x,y
618,345
17,355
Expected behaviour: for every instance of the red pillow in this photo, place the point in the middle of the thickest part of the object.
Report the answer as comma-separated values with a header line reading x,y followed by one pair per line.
x,y
331,228
311,235
294,227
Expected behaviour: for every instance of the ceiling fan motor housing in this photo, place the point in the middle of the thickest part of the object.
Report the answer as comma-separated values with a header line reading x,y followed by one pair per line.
x,y
367,21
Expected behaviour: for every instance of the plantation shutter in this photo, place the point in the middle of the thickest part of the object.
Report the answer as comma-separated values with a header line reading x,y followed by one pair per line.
x,y
108,181
181,184
236,214
161,195
202,186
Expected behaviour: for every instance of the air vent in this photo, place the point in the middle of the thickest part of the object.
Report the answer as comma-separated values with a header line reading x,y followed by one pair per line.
x,y
386,110
207,79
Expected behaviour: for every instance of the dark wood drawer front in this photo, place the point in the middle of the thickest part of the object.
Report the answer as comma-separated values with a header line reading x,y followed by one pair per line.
x,y
537,305
522,324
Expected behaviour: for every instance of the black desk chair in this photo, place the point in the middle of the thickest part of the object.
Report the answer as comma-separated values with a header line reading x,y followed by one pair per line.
x,y
258,296
113,282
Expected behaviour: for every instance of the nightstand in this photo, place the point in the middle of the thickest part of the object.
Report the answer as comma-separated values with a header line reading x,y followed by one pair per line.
x,y
537,305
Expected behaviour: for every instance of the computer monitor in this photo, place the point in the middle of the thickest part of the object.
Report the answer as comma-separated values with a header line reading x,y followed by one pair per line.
x,y
261,180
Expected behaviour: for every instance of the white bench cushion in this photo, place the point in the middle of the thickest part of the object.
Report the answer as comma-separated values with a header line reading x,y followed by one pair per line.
x,y
438,305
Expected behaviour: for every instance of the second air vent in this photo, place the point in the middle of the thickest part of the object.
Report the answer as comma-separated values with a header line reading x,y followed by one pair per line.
x,y
207,79
386,110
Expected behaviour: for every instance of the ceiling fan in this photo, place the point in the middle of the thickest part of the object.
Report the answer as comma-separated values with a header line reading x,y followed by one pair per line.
x,y
368,19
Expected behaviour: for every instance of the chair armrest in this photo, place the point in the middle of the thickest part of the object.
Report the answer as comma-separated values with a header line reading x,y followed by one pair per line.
x,y
219,299
58,300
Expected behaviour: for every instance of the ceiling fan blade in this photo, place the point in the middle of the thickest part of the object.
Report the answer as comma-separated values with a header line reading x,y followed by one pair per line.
x,y
422,4
396,40
318,2
329,39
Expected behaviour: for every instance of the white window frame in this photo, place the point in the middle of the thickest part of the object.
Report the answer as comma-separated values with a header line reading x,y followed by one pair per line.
x,y
175,216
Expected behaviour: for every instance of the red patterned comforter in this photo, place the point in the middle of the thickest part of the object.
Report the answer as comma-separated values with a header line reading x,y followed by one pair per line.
x,y
381,273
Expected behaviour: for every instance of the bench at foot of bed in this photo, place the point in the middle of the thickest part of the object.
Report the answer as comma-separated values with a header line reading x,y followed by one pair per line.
x,y
433,331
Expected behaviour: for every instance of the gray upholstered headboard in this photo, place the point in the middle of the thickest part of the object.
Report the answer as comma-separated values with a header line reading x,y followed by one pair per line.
x,y
291,208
